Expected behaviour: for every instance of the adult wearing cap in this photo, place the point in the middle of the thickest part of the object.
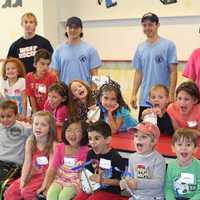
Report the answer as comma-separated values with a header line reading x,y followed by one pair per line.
x,y
26,46
75,59
155,62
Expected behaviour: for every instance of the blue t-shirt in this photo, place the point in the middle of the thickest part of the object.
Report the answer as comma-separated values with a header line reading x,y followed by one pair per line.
x,y
154,61
74,62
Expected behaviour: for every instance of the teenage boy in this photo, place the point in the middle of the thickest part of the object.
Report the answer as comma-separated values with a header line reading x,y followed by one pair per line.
x,y
107,165
147,166
75,59
38,82
155,62
26,46
183,177
12,138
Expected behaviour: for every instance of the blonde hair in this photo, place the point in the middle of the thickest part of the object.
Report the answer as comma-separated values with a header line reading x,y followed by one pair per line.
x,y
158,87
52,130
19,65
28,15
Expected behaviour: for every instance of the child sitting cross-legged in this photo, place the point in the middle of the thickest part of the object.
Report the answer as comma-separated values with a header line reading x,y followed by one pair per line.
x,y
146,166
183,177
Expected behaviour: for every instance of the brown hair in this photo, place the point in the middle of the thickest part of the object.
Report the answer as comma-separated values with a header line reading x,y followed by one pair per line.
x,y
187,134
9,104
52,130
42,53
19,65
73,103
29,14
158,87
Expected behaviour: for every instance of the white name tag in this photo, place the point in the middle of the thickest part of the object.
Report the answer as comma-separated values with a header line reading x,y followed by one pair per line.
x,y
187,178
69,162
42,160
42,88
105,164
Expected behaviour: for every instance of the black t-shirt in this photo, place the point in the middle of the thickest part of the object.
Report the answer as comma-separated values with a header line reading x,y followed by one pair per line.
x,y
165,124
25,50
117,168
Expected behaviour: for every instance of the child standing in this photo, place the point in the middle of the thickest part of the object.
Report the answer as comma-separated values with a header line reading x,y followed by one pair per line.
x,y
159,100
57,102
13,84
106,165
12,138
183,177
69,154
39,148
38,82
80,99
114,110
146,165
184,112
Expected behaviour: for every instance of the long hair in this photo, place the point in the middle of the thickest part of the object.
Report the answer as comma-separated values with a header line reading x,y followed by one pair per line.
x,y
74,103
52,130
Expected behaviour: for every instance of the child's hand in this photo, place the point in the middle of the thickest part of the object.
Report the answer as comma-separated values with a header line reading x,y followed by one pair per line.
x,y
157,111
132,184
96,178
22,184
113,107
123,184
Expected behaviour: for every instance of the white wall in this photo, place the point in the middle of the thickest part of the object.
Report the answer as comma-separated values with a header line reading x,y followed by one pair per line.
x,y
10,22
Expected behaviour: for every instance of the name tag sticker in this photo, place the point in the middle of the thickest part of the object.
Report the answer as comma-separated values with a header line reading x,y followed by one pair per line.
x,y
69,162
105,164
187,178
42,160
42,88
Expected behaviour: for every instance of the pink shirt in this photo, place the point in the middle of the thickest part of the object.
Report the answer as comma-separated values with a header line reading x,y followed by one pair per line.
x,y
65,176
182,120
60,113
192,68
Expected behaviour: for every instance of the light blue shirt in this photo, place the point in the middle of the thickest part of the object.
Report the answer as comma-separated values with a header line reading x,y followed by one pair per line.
x,y
154,61
74,62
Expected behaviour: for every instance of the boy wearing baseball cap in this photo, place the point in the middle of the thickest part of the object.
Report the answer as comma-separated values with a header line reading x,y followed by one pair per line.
x,y
146,165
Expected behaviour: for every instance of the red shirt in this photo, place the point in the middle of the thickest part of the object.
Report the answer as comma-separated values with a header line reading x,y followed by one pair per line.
x,y
38,87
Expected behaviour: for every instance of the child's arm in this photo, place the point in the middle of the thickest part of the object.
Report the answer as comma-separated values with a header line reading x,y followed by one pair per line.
x,y
27,163
33,104
24,104
114,123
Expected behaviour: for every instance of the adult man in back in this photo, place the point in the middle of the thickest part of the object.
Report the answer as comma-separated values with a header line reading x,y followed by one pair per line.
x,y
75,59
155,62
26,46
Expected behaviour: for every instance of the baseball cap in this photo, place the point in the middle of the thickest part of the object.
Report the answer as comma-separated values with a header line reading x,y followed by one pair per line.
x,y
74,21
151,17
148,128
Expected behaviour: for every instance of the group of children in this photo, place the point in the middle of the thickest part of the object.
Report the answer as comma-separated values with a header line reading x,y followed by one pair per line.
x,y
72,170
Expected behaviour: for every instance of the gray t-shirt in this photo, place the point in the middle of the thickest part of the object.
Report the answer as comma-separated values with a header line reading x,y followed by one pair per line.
x,y
149,170
12,142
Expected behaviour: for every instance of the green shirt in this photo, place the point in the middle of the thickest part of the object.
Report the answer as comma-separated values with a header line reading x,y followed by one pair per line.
x,y
183,181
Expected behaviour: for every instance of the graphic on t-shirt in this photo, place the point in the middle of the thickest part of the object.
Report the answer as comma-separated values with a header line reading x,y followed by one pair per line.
x,y
14,133
82,58
184,184
159,59
27,52
142,171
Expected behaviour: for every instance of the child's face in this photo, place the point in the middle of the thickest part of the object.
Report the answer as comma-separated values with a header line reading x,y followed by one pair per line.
x,y
184,150
185,102
42,66
98,143
79,90
29,25
7,117
109,100
158,98
144,144
73,134
11,70
40,127
55,99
